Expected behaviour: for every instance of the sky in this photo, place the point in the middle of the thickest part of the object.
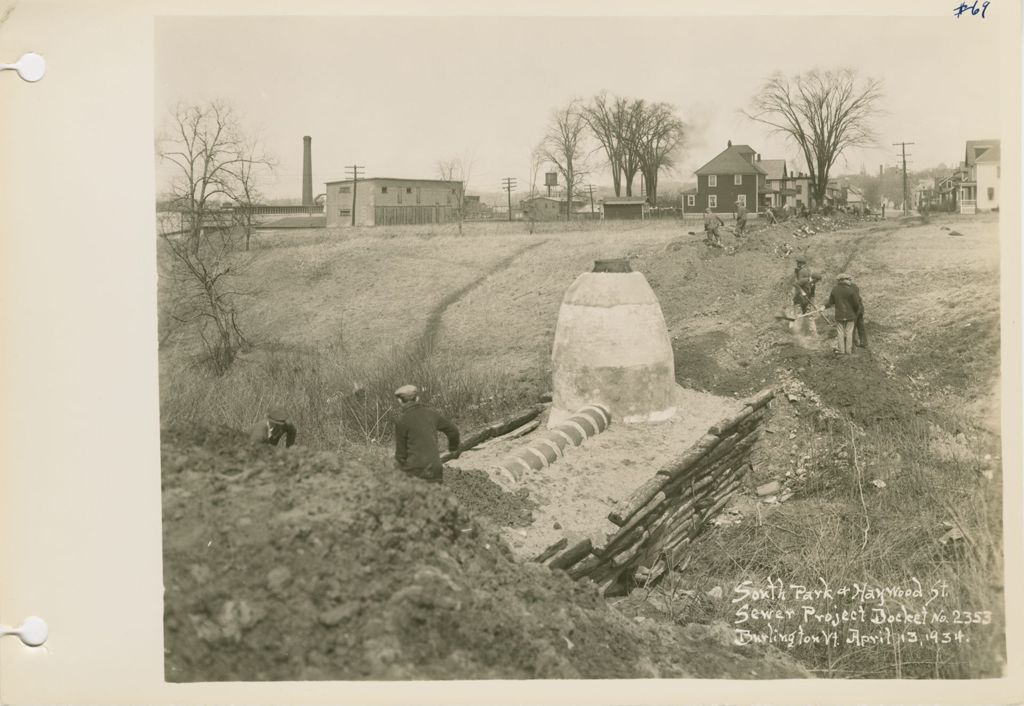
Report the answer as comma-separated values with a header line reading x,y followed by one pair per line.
x,y
398,94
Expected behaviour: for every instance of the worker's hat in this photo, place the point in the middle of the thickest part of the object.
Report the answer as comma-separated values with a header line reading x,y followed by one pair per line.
x,y
277,413
845,278
801,258
407,393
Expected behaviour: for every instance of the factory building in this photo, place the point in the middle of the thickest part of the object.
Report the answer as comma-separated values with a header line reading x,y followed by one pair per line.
x,y
385,201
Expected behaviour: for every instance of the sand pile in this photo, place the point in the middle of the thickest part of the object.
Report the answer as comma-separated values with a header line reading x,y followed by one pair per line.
x,y
294,564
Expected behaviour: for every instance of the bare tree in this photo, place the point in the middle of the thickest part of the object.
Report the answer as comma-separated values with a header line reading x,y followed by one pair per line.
x,y
823,113
658,136
564,145
457,169
608,119
212,162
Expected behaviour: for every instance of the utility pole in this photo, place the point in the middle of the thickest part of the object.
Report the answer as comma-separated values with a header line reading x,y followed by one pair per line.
x,y
354,168
509,183
906,190
590,188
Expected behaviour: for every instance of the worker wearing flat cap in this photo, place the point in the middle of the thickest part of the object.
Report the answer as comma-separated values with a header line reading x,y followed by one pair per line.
x,y
275,426
845,297
416,436
804,283
712,222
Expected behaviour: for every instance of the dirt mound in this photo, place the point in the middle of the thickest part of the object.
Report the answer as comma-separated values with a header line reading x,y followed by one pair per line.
x,y
481,496
294,564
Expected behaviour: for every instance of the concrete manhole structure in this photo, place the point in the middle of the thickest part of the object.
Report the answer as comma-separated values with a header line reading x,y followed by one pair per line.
x,y
626,466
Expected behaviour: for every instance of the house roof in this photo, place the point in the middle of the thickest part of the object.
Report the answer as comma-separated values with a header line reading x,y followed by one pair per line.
x,y
622,200
774,168
991,155
731,160
975,148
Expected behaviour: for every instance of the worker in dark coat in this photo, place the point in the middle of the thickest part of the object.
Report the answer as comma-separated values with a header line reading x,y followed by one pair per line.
x,y
846,299
712,222
741,219
271,429
860,335
804,283
416,436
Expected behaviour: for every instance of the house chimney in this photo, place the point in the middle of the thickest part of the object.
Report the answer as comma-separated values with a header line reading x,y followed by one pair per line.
x,y
730,143
758,156
307,171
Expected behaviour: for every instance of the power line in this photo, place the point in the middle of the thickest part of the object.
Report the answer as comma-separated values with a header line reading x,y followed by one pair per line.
x,y
354,169
590,188
906,188
508,184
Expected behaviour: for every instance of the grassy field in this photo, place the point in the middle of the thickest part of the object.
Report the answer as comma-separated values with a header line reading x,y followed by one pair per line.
x,y
337,320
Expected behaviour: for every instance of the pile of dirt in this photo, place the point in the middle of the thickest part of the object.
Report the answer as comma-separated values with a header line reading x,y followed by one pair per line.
x,y
295,564
485,499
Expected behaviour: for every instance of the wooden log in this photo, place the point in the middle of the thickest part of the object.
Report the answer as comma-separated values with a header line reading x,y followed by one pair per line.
x,y
621,539
690,457
586,566
649,574
692,489
762,398
641,515
636,500
725,426
514,434
552,550
502,426
571,555
629,552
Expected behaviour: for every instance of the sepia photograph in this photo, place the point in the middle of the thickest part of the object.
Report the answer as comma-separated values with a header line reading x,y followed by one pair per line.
x,y
581,347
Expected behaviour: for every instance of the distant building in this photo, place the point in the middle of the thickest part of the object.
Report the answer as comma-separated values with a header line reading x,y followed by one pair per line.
x,y
733,176
979,189
625,208
777,188
386,201
548,208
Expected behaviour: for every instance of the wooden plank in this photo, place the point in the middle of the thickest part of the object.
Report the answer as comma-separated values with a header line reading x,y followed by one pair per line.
x,y
762,398
571,555
641,515
586,566
552,550
636,500
502,426
725,426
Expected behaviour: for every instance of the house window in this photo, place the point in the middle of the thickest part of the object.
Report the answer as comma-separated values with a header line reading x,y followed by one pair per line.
x,y
737,180
417,194
799,188
399,193
344,212
691,200
344,189
712,201
383,189
991,193
742,200
713,180
408,189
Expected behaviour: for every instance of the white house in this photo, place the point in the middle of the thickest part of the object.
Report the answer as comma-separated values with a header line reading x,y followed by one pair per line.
x,y
979,191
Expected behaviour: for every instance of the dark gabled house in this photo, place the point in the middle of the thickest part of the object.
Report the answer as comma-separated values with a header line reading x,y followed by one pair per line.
x,y
734,175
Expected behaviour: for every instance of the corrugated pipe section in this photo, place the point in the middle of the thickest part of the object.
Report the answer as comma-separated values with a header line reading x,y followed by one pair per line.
x,y
547,448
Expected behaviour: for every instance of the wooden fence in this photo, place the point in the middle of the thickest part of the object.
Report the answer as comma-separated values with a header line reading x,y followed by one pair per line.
x,y
412,215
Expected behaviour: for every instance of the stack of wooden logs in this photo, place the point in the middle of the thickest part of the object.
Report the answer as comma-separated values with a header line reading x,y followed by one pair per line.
x,y
656,522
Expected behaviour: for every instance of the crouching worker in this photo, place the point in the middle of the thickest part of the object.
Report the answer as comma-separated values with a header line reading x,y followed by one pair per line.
x,y
416,436
271,429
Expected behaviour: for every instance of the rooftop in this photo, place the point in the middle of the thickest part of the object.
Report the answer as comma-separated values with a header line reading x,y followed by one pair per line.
x,y
732,160
422,181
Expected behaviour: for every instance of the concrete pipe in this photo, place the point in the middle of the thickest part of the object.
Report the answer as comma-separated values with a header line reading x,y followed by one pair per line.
x,y
612,348
547,448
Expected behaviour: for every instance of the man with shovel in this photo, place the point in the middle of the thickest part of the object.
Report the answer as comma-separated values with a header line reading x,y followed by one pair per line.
x,y
416,436
804,282
845,297
711,225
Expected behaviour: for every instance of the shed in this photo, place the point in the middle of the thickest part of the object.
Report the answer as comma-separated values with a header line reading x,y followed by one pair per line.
x,y
625,208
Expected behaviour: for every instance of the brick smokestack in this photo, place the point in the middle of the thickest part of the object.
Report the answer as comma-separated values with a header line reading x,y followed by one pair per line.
x,y
307,171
